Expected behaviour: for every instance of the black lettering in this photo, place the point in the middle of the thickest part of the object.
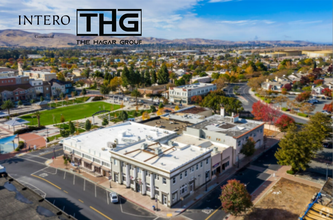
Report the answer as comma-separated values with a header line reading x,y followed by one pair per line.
x,y
38,16
55,19
135,27
25,18
88,21
19,19
113,22
47,19
66,16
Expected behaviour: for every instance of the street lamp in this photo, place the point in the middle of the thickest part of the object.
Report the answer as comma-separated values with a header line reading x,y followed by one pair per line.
x,y
110,177
326,171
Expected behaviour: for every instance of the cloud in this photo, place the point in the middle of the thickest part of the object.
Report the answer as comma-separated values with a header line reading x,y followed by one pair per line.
x,y
215,1
247,22
301,22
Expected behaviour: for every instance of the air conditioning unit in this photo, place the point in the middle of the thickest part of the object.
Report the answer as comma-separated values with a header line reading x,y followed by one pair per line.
x,y
144,146
111,145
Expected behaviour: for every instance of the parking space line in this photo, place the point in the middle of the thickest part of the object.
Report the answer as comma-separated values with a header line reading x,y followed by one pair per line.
x,y
81,200
213,213
100,213
46,181
65,191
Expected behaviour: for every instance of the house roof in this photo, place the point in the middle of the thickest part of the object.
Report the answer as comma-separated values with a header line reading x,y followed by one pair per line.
x,y
14,87
59,82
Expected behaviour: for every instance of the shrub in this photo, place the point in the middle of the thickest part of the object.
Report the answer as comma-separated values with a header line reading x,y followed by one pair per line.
x,y
28,129
284,122
284,109
105,122
97,98
152,108
64,133
290,172
302,114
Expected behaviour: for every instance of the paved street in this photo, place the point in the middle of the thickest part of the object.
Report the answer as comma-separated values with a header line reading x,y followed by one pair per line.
x,y
74,195
244,92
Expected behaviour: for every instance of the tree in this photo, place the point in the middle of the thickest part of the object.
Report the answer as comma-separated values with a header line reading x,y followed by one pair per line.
x,y
220,83
235,198
65,162
303,96
306,108
105,122
196,99
258,110
284,91
37,115
248,148
163,75
145,115
62,119
287,86
123,115
8,104
84,91
41,98
176,108
87,125
152,108
153,77
125,77
284,122
19,103
327,92
318,128
104,90
280,99
215,75
160,106
160,111
115,83
328,107
318,82
135,93
294,150
71,127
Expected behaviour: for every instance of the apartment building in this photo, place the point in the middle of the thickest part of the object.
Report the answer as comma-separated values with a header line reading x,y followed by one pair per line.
x,y
23,92
41,87
45,76
13,80
183,94
7,72
58,87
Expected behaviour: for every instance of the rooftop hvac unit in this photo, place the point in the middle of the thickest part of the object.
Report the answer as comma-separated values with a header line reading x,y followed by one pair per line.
x,y
170,143
111,145
158,151
144,146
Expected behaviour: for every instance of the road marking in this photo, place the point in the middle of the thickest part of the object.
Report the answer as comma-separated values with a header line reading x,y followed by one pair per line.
x,y
51,152
169,215
46,181
32,155
213,213
81,200
100,213
65,191
33,161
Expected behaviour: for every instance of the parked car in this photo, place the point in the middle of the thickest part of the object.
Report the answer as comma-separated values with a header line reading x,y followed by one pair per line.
x,y
313,101
114,197
325,112
327,145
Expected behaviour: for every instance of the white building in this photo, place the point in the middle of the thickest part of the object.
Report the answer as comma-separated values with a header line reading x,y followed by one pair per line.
x,y
184,93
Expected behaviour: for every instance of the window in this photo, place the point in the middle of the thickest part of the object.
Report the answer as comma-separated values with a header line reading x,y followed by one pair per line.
x,y
201,164
197,166
157,177
174,180
183,189
96,160
115,162
164,181
105,164
239,143
207,161
192,169
181,176
207,174
185,173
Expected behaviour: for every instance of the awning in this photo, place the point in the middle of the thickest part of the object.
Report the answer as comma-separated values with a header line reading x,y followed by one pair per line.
x,y
87,161
7,139
16,121
106,168
3,114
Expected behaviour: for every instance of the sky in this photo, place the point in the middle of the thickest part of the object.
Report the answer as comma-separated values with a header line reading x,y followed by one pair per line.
x,y
232,20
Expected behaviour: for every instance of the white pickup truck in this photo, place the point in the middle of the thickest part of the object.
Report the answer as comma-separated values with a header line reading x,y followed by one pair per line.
x,y
2,170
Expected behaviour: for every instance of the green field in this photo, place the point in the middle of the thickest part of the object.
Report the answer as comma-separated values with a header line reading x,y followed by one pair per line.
x,y
73,112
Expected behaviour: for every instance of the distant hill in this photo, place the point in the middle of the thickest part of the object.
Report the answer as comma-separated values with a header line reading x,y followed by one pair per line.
x,y
20,38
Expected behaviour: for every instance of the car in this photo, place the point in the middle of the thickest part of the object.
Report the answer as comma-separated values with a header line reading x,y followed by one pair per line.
x,y
114,197
327,145
313,101
325,112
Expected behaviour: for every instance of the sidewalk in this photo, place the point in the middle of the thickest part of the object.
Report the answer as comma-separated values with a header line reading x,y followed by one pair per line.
x,y
146,202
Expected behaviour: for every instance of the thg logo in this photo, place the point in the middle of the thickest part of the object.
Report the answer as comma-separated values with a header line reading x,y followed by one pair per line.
x,y
108,22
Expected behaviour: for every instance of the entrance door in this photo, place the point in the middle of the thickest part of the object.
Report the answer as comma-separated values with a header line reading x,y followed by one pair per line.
x,y
116,178
164,199
191,187
138,187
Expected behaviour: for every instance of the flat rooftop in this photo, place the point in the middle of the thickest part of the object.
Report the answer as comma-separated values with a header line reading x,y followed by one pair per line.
x,y
170,158
227,125
20,202
37,71
96,142
194,110
194,86
183,117
171,125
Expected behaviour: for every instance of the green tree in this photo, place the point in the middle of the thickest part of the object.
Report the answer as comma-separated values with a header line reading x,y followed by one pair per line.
x,y
8,104
37,115
71,127
125,77
87,125
248,148
105,122
84,91
32,101
19,103
153,77
123,115
235,198
147,81
295,150
104,90
62,119
152,108
163,75
41,98
135,93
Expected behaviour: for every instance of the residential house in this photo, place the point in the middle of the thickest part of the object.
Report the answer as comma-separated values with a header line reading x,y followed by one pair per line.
x,y
45,76
7,72
42,88
58,87
23,92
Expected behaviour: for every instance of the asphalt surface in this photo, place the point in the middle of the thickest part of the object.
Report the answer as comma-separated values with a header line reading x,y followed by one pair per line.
x,y
74,195
209,207
247,105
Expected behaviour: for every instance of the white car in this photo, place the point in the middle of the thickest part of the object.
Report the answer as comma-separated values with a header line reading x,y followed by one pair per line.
x,y
114,197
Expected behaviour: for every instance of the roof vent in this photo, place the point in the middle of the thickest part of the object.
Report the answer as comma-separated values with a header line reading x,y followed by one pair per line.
x,y
144,146
111,145
158,151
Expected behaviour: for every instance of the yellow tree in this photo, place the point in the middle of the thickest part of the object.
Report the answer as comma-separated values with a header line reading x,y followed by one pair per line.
x,y
122,104
160,111
66,98
249,70
176,107
145,115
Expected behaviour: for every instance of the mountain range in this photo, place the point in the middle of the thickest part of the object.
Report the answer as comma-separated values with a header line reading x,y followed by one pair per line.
x,y
19,38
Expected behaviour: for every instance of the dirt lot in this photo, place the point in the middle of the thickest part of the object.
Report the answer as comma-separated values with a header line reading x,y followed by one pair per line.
x,y
286,200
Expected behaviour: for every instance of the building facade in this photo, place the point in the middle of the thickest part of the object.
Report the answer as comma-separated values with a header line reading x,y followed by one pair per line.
x,y
58,87
40,75
183,94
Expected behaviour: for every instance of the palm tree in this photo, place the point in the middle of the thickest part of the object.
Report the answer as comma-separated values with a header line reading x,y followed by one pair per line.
x,y
37,115
135,93
7,105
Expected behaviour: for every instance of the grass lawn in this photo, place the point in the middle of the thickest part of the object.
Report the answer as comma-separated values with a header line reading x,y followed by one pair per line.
x,y
70,102
72,112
